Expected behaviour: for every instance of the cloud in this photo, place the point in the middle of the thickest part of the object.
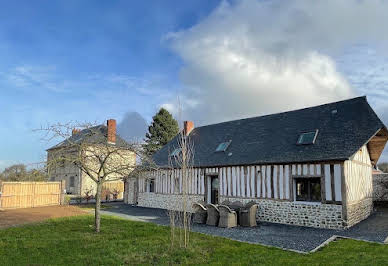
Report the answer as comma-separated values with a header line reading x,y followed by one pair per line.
x,y
255,57
367,70
26,76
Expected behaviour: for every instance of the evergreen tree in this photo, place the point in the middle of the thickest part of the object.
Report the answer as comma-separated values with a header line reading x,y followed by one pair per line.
x,y
162,129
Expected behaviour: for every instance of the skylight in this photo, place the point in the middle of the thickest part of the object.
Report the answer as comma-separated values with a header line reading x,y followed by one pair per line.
x,y
176,152
307,138
223,146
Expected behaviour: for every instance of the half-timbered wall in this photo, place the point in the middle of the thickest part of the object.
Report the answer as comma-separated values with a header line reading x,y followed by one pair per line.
x,y
272,186
358,176
261,181
171,181
358,187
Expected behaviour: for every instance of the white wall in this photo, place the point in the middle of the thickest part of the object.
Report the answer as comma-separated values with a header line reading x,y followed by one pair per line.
x,y
358,176
250,181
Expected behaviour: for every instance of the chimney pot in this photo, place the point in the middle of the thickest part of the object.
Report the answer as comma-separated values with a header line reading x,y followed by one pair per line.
x,y
188,126
111,124
75,131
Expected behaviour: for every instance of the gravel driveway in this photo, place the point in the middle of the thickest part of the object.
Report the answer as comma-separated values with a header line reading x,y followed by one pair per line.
x,y
299,238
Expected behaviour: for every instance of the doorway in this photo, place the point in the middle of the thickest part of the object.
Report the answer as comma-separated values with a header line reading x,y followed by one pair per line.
x,y
212,189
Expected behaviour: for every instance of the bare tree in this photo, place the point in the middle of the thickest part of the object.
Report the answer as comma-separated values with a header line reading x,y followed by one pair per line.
x,y
90,149
184,161
182,157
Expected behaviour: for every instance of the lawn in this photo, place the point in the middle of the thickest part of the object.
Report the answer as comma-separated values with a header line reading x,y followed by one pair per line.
x,y
72,241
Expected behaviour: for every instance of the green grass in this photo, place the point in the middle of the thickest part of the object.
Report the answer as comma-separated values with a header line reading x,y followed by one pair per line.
x,y
72,241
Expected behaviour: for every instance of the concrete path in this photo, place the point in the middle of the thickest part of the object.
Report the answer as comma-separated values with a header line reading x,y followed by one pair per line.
x,y
297,238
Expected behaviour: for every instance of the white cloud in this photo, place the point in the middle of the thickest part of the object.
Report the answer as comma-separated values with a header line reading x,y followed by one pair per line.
x,y
256,57
367,71
26,76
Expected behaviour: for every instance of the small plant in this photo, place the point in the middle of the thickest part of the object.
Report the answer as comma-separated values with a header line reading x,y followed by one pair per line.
x,y
115,194
66,200
88,195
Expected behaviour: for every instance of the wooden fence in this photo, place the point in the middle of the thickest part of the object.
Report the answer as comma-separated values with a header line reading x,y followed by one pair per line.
x,y
15,195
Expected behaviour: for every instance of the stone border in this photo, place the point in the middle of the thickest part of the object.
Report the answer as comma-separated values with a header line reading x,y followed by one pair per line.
x,y
337,237
254,243
318,248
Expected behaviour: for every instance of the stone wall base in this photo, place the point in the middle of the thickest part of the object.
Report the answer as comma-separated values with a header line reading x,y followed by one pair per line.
x,y
297,213
167,201
294,213
356,212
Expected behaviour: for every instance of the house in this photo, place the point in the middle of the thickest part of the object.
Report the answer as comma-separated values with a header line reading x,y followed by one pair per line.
x,y
80,144
309,167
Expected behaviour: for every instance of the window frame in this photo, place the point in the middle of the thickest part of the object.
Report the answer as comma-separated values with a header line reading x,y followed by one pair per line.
x,y
298,142
226,143
309,181
72,181
176,152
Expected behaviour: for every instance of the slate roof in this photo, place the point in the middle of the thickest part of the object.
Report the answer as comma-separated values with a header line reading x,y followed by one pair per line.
x,y
272,138
93,135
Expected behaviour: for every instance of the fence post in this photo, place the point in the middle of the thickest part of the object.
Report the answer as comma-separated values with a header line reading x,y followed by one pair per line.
x,y
63,192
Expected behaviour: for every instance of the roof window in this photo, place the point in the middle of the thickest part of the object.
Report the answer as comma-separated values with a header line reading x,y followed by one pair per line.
x,y
176,152
223,146
307,138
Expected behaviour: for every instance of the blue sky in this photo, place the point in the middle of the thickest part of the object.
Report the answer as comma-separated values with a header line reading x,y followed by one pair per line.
x,y
85,61
92,60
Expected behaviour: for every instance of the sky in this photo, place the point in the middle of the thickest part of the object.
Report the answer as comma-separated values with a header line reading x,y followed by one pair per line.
x,y
204,60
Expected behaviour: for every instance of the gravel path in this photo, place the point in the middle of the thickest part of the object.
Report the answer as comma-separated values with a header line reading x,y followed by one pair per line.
x,y
299,238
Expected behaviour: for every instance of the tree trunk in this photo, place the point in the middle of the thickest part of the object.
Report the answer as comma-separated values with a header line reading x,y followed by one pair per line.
x,y
98,207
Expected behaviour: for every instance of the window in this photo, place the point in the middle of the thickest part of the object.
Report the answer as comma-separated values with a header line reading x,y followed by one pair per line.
x,y
223,146
151,185
176,152
308,189
307,138
71,181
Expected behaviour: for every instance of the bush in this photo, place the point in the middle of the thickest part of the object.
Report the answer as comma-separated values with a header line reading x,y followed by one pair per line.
x,y
66,200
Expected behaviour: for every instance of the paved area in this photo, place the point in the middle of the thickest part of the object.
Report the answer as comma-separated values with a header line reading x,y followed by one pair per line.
x,y
17,217
305,239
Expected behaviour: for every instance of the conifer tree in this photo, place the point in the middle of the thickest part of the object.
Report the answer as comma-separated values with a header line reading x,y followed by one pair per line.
x,y
162,129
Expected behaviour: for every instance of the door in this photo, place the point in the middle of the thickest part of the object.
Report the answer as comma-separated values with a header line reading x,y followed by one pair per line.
x,y
214,189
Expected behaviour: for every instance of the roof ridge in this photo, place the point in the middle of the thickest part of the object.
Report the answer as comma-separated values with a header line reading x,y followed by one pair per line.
x,y
284,112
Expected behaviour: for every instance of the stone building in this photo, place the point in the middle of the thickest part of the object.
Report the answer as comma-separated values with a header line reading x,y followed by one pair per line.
x,y
380,186
309,167
82,143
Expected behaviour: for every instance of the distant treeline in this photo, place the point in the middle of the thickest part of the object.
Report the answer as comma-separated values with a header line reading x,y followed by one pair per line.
x,y
19,172
383,167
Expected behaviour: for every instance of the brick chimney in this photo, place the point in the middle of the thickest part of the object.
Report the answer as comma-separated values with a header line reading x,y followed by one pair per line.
x,y
111,124
188,126
75,131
